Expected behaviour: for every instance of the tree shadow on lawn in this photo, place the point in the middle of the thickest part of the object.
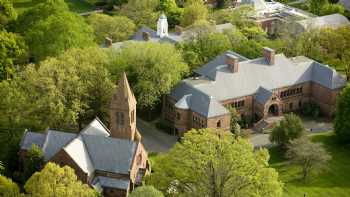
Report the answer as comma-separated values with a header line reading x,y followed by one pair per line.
x,y
336,175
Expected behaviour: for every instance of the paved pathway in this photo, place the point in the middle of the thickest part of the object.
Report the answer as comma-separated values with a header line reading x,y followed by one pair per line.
x,y
153,139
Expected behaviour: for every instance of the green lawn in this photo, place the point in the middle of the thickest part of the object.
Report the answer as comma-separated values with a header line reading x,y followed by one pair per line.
x,y
74,5
334,182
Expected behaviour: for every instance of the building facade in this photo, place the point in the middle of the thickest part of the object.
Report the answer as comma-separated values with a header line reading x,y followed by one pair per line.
x,y
113,161
257,89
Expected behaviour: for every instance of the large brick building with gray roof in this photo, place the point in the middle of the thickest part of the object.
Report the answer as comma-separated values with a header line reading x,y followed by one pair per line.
x,y
113,161
257,88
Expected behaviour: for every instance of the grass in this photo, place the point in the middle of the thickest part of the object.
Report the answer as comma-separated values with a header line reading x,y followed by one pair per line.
x,y
78,6
333,182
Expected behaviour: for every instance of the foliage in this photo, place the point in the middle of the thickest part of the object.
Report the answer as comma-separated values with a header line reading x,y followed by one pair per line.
x,y
312,157
341,121
311,109
118,28
49,29
56,181
1,167
212,163
12,49
141,12
7,13
152,68
8,188
194,11
315,6
33,162
223,3
290,128
146,191
61,93
172,11
332,9
234,122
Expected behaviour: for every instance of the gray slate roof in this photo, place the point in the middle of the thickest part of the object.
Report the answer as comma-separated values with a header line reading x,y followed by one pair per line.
x,y
111,182
330,21
31,138
216,81
54,142
345,3
263,95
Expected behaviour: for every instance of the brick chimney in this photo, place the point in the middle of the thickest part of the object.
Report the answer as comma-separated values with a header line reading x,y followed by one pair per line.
x,y
269,55
145,36
232,63
108,42
178,29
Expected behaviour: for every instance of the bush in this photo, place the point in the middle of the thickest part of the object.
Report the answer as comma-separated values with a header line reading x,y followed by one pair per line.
x,y
311,109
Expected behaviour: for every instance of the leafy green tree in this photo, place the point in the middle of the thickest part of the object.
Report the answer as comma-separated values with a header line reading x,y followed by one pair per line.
x,y
146,191
118,28
33,162
342,114
141,12
12,50
49,29
211,162
316,6
57,181
234,122
152,68
8,188
194,11
172,11
7,13
312,157
332,9
1,167
290,128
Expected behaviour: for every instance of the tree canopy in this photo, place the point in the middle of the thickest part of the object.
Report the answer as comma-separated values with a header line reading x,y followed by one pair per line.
x,y
152,68
341,121
57,181
8,188
141,12
146,191
213,163
49,28
118,28
194,10
7,13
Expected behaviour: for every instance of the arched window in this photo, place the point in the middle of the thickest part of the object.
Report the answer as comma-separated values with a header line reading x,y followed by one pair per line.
x,y
218,124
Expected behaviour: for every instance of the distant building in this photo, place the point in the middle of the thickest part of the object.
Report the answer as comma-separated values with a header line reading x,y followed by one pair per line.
x,y
111,161
258,88
345,3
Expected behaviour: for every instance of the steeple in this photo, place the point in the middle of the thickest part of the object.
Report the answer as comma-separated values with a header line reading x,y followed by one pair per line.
x,y
123,111
162,26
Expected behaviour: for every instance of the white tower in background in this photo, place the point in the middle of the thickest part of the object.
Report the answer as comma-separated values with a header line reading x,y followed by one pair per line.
x,y
162,26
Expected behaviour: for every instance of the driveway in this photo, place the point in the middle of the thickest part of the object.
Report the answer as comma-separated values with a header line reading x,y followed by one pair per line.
x,y
153,139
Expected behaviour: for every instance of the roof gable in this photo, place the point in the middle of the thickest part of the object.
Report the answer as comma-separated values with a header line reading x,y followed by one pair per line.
x,y
96,127
55,141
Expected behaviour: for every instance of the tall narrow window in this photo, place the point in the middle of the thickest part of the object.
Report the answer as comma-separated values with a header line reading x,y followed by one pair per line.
x,y
120,118
218,124
132,116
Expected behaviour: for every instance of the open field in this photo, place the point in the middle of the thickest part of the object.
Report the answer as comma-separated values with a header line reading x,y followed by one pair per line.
x,y
333,182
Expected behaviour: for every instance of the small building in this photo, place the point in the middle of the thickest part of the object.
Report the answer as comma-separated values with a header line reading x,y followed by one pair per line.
x,y
113,161
258,89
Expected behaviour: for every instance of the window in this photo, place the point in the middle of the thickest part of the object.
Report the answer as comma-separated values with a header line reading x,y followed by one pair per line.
x,y
291,92
300,104
238,104
120,118
218,124
290,106
178,116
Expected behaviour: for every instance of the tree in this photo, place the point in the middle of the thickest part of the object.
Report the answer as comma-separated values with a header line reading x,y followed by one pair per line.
x,y
152,68
33,162
1,167
213,163
194,11
311,157
146,191
7,13
118,28
8,188
342,114
141,12
172,11
57,181
234,122
332,9
49,29
290,128
315,6
12,49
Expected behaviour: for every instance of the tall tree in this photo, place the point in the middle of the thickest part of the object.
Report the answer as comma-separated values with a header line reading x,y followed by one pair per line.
x,y
153,69
141,12
146,191
311,157
56,181
118,28
172,11
213,163
49,29
33,162
290,128
8,188
194,11
317,5
7,13
341,121
12,50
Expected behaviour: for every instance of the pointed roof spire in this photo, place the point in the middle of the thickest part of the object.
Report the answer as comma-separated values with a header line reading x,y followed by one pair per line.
x,y
123,94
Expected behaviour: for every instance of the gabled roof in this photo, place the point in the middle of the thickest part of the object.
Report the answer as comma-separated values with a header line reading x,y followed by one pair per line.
x,y
96,127
54,142
263,95
328,21
31,138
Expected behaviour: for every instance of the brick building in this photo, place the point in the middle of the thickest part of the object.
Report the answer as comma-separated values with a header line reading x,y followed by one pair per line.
x,y
111,161
257,88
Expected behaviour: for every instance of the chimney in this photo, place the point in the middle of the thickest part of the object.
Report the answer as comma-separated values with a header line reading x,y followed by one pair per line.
x,y
145,36
178,29
232,63
269,55
108,42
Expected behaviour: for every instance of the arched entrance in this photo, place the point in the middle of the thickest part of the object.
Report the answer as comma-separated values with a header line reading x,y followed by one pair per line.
x,y
273,110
